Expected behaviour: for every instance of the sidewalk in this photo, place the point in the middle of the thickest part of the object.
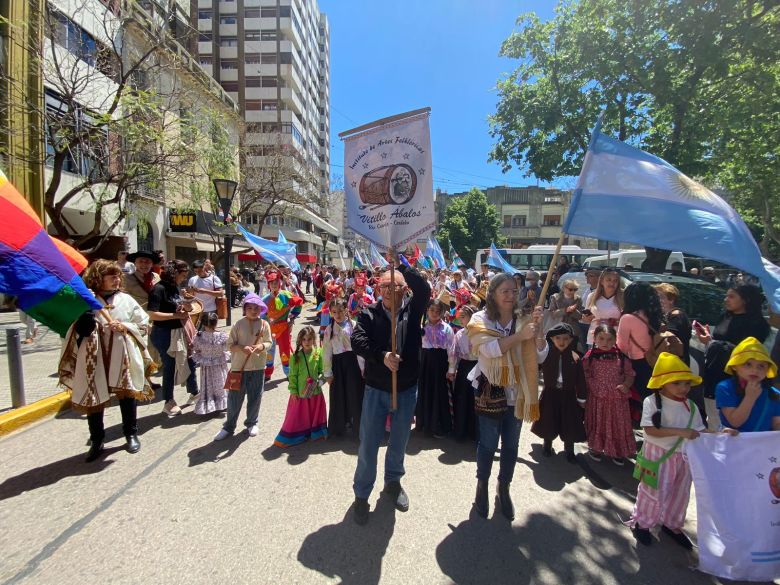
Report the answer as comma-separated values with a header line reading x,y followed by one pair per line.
x,y
39,361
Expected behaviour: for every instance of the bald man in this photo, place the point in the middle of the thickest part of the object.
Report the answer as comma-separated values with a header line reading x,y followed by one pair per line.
x,y
371,341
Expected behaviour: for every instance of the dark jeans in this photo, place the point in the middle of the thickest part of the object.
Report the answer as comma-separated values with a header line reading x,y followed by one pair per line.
x,y
161,339
129,421
252,384
490,429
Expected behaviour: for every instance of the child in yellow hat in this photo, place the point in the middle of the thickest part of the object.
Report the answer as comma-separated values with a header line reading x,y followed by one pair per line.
x,y
747,401
668,417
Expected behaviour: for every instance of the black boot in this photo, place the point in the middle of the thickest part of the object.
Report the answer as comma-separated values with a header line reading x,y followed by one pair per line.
x,y
133,444
547,449
94,451
505,501
481,499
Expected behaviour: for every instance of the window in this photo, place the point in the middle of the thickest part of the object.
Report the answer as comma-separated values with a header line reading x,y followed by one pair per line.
x,y
552,220
228,42
206,61
252,82
518,221
252,105
252,13
230,85
227,20
205,37
252,59
73,38
284,11
268,81
252,36
204,14
268,12
268,105
229,64
268,58
285,58
507,221
268,35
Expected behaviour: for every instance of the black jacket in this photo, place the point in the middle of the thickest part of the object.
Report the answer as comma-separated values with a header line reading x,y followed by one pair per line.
x,y
371,336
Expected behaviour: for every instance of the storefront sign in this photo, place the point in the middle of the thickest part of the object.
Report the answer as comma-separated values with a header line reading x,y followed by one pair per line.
x,y
182,221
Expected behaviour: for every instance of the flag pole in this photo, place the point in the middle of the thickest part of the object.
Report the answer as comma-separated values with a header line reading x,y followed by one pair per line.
x,y
393,320
548,279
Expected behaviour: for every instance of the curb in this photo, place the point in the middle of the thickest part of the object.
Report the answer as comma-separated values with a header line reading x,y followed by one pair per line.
x,y
26,415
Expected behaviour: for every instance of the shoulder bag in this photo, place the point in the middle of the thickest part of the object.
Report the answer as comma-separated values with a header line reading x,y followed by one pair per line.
x,y
233,380
222,303
646,470
490,400
660,341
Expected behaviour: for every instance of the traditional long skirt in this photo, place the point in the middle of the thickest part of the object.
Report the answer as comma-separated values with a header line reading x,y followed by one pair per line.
x,y
212,397
433,401
607,413
463,402
306,419
345,394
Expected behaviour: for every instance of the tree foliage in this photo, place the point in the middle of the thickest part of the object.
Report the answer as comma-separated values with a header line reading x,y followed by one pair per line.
x,y
470,223
693,82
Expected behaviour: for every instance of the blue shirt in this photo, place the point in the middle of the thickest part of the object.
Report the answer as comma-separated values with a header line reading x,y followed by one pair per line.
x,y
764,409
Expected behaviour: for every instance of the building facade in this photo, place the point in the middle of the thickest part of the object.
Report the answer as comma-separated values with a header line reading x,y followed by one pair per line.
x,y
529,215
273,58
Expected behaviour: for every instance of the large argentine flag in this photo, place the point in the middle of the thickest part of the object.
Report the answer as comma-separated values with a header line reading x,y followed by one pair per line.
x,y
496,260
294,264
278,253
625,194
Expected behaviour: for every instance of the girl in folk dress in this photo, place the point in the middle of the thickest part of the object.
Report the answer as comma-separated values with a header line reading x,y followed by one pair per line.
x,y
210,351
306,416
433,403
609,376
462,361
342,371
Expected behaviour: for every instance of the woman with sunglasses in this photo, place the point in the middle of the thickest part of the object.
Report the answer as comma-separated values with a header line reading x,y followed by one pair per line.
x,y
605,304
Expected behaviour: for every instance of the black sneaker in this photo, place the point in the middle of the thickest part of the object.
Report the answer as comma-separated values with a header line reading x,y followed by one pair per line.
x,y
395,491
361,511
679,537
642,535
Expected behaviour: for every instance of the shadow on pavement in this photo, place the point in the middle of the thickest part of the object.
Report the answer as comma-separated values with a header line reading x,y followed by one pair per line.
x,y
52,473
350,552
300,453
216,451
452,451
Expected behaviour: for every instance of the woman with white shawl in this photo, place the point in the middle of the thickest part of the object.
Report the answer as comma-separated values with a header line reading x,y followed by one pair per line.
x,y
105,355
509,351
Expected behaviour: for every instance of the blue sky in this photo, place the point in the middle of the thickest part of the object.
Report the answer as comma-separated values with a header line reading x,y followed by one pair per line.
x,y
392,57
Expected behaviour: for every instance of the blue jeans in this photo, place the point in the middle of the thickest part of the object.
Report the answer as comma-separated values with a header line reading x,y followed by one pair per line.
x,y
376,406
161,339
252,384
490,429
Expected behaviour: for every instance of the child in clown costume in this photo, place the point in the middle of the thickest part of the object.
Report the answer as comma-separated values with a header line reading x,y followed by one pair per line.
x,y
333,290
283,307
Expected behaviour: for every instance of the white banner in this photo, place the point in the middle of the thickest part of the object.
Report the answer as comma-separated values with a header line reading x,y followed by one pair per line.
x,y
737,482
387,182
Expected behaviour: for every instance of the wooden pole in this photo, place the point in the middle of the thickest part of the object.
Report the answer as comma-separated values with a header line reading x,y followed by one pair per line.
x,y
393,319
548,279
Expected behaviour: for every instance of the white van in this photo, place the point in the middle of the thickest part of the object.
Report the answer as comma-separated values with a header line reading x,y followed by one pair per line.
x,y
620,258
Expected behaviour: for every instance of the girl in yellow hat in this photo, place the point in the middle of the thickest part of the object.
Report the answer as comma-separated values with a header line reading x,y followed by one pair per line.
x,y
747,401
668,417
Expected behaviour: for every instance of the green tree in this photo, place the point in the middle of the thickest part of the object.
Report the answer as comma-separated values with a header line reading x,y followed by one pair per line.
x,y
668,73
470,223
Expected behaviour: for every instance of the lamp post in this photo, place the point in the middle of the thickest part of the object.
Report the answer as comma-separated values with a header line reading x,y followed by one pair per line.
x,y
324,236
226,191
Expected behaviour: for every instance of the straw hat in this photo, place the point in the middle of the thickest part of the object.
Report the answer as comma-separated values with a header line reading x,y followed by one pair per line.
x,y
750,349
197,306
670,368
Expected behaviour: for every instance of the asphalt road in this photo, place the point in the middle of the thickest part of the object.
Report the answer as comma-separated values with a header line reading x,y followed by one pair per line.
x,y
188,510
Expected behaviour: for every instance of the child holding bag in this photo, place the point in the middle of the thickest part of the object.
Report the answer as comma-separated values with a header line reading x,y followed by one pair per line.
x,y
668,417
209,350
250,339
306,417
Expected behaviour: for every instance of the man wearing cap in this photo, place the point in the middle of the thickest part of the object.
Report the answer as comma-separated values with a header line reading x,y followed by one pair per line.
x,y
371,341
205,287
283,308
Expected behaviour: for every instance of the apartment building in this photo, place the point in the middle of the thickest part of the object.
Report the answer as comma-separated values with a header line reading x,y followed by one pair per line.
x,y
273,58
529,215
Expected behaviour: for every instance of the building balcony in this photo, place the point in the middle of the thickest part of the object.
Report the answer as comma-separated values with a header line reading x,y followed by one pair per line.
x,y
228,74
228,30
228,52
523,232
204,24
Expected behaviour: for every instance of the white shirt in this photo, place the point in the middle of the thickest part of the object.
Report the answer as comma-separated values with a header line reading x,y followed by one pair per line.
x,y
674,415
209,283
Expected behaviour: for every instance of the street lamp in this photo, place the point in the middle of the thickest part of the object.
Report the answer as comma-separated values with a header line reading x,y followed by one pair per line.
x,y
226,191
324,237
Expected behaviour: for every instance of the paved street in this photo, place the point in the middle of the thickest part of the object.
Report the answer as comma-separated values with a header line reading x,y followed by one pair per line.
x,y
187,510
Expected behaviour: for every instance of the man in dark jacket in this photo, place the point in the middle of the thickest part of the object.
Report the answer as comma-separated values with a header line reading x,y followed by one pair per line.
x,y
371,340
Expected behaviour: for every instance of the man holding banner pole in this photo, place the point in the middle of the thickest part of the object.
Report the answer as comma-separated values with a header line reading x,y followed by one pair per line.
x,y
389,198
372,340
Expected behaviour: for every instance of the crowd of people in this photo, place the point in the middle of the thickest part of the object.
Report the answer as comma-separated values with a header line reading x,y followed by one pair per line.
x,y
466,364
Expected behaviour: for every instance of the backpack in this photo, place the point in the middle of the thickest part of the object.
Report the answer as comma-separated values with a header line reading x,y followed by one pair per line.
x,y
715,359
661,341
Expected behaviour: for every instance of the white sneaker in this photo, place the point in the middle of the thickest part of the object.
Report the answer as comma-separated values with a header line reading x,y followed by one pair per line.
x,y
192,399
222,434
253,431
171,408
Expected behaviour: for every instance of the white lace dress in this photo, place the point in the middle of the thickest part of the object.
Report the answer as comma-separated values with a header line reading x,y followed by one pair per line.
x,y
210,352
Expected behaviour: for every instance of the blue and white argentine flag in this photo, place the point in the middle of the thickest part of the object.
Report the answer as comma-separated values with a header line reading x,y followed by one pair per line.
x,y
625,194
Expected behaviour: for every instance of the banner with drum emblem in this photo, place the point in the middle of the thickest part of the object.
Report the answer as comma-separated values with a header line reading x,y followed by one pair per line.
x,y
387,180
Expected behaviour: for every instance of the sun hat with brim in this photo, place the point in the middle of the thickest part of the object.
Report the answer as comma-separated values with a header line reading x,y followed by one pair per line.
x,y
254,299
750,348
153,256
670,368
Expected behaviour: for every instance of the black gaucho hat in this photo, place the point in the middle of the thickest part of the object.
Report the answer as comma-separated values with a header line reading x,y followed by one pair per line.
x,y
153,256
560,329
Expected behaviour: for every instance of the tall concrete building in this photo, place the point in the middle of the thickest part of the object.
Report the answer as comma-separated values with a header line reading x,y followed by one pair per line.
x,y
273,58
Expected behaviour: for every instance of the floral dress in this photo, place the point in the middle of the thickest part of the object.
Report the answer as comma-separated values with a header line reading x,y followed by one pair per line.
x,y
210,351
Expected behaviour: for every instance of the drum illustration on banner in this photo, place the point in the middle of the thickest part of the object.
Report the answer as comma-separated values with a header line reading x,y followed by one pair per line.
x,y
774,484
389,185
